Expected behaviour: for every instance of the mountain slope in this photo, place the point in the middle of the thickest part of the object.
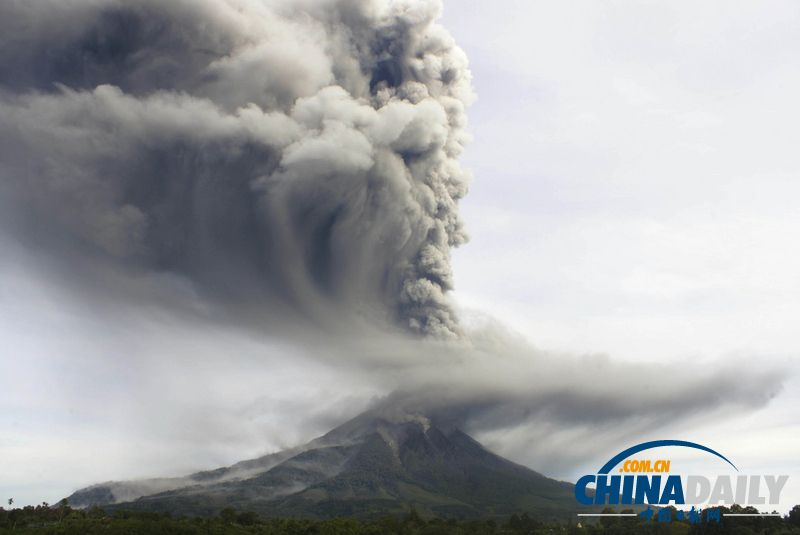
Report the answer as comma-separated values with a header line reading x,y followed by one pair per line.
x,y
368,467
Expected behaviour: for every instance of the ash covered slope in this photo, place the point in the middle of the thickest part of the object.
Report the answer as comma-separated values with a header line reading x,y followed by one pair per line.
x,y
368,467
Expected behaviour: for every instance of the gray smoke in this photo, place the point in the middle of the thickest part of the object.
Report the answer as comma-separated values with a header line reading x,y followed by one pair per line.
x,y
303,154
274,159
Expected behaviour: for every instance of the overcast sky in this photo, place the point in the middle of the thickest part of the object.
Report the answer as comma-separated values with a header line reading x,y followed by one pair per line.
x,y
637,186
634,199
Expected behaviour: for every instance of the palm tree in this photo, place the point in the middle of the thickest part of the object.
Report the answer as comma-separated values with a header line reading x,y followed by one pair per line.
x,y
63,508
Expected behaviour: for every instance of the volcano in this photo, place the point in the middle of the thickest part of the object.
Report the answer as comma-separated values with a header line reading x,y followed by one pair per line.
x,y
368,467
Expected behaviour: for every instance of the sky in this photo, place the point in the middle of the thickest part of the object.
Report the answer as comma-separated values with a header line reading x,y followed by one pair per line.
x,y
630,272
636,185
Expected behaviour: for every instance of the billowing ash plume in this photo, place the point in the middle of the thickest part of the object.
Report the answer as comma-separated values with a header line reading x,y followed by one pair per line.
x,y
304,153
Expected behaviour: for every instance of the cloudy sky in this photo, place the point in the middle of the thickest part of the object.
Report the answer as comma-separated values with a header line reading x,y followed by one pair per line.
x,y
630,273
636,186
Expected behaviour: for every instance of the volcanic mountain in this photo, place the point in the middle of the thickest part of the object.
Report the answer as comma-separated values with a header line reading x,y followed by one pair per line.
x,y
368,467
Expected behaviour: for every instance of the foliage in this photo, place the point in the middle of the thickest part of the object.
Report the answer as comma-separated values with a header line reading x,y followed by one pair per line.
x,y
46,520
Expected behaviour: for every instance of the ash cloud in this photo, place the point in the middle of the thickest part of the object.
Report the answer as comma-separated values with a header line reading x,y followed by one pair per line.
x,y
497,380
298,158
304,154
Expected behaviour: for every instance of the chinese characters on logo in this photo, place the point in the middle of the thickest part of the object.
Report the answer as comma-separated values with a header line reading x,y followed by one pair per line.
x,y
695,516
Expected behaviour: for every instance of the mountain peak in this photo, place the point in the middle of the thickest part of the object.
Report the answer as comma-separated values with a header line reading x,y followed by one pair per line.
x,y
380,462
373,421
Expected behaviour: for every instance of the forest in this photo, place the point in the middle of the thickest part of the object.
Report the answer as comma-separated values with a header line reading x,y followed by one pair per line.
x,y
62,519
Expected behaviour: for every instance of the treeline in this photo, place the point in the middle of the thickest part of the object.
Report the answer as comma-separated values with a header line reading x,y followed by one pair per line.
x,y
62,519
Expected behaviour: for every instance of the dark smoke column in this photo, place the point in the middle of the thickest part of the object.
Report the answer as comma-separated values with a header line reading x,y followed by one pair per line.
x,y
305,153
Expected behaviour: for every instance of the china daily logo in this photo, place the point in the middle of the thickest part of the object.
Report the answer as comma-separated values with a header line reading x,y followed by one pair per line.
x,y
643,481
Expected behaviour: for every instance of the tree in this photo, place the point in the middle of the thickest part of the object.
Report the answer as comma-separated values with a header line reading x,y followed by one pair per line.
x,y
62,509
794,516
228,515
514,523
528,524
608,521
97,512
390,523
247,518
413,518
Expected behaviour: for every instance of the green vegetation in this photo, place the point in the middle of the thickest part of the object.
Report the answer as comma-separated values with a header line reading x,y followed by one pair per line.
x,y
44,519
